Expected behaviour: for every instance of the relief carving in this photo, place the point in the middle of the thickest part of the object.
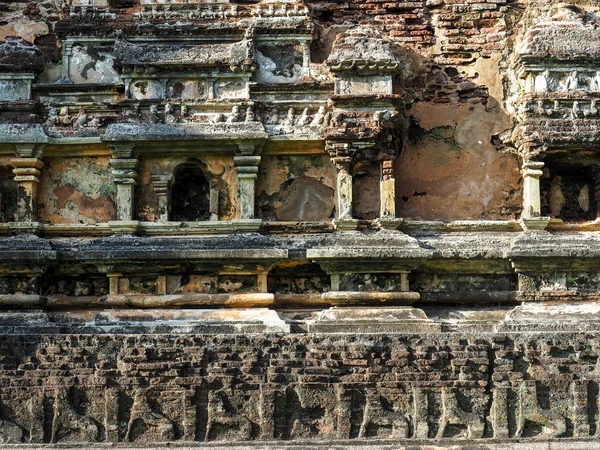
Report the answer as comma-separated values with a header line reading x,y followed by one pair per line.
x,y
379,413
454,414
553,424
146,423
224,423
70,424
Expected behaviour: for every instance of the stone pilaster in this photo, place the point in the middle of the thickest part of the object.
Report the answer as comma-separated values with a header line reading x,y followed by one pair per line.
x,y
387,188
66,62
388,191
531,216
27,172
124,171
125,177
161,188
246,166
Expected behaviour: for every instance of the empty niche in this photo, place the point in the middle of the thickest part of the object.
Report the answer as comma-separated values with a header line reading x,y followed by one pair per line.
x,y
569,192
365,191
185,89
8,194
279,63
190,194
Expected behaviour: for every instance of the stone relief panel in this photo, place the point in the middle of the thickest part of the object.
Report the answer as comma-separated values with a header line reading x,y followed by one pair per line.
x,y
283,388
279,62
91,63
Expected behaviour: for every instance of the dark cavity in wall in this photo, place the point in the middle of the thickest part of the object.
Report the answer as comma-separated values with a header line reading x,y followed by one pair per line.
x,y
191,194
8,194
570,191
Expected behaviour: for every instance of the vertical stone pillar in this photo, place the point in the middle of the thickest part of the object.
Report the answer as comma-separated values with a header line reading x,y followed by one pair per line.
x,y
125,177
27,172
388,191
161,188
344,187
532,210
66,62
532,171
246,166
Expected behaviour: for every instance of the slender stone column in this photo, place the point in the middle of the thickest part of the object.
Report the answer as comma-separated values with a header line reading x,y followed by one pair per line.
x,y
27,172
388,191
531,217
125,177
344,187
161,188
66,62
246,166
532,171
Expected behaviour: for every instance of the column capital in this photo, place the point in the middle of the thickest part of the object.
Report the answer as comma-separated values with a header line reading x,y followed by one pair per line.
x,y
27,169
248,147
122,150
124,170
161,183
29,150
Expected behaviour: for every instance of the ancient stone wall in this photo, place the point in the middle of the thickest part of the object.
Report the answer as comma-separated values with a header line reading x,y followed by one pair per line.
x,y
299,224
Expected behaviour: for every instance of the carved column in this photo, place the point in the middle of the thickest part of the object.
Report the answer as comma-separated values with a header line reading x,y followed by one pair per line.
x,y
344,187
125,177
66,62
246,166
161,188
27,172
532,210
532,171
388,191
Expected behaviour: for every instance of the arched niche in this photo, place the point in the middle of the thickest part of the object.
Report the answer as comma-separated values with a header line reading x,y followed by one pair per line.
x,y
190,194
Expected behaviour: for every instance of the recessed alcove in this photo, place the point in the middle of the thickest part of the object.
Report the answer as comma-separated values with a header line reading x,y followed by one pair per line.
x,y
190,195
569,190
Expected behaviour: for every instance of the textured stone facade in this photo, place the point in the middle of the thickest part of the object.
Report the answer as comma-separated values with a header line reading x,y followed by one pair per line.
x,y
279,224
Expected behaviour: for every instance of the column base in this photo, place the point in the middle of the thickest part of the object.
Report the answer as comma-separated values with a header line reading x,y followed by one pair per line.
x,y
246,224
25,227
391,223
123,226
345,224
534,223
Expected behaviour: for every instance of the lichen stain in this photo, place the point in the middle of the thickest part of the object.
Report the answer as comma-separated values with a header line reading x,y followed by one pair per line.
x,y
77,190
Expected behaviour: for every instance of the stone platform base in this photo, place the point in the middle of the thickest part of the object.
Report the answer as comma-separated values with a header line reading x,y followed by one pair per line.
x,y
591,444
525,377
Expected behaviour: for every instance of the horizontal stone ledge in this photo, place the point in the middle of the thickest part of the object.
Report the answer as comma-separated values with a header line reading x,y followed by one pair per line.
x,y
232,300
338,298
472,298
369,444
165,253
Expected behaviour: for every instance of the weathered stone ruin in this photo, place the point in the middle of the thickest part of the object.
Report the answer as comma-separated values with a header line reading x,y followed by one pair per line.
x,y
300,224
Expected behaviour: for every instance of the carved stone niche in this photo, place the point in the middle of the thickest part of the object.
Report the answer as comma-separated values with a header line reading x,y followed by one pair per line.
x,y
556,63
20,61
364,128
569,191
190,70
187,194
